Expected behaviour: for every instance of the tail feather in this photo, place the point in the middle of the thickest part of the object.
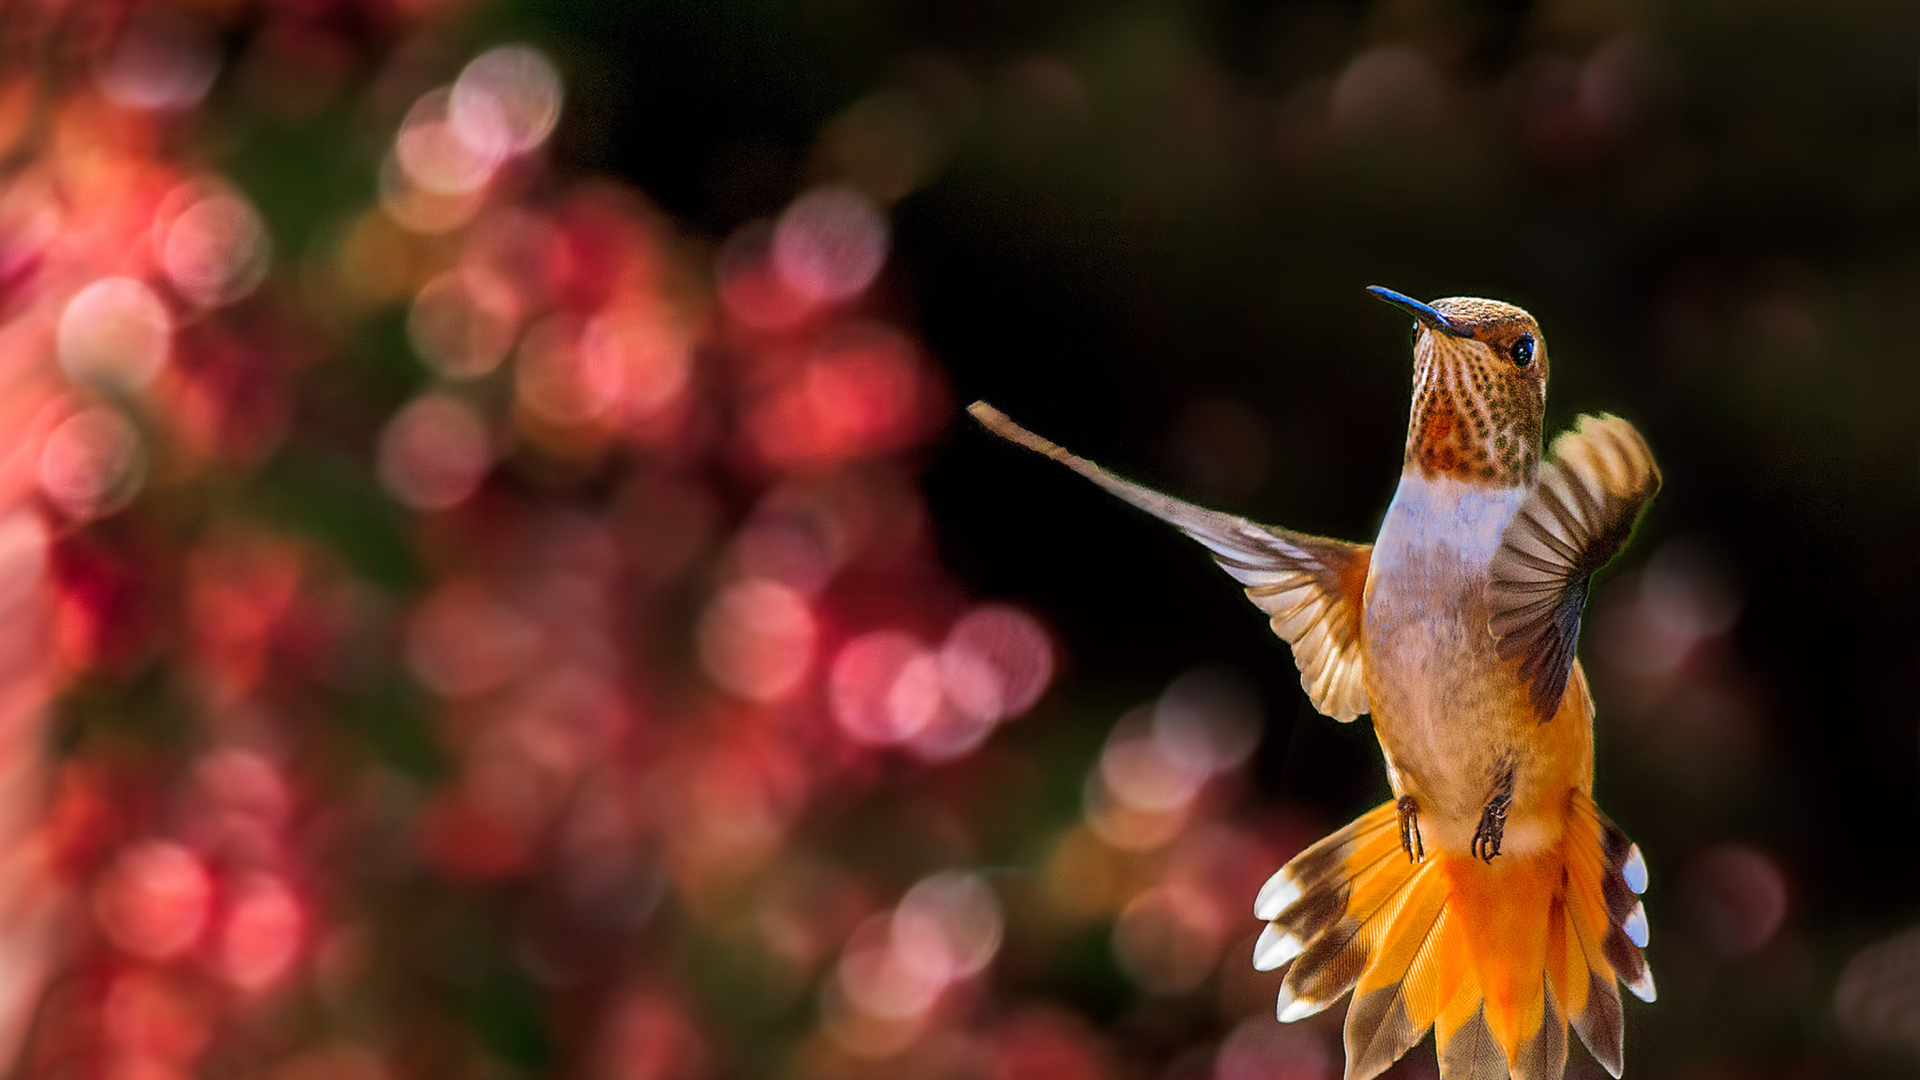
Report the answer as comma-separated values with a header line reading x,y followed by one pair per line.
x,y
1503,910
1334,960
1457,985
1471,1052
1593,999
1620,904
1598,906
1601,1025
1544,1055
1305,898
1392,1011
1498,959
1324,862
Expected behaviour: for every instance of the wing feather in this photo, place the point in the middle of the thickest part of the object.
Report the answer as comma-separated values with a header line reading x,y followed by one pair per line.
x,y
1309,586
1581,511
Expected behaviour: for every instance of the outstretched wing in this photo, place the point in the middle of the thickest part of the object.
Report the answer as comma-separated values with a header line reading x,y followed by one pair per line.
x,y
1309,586
1580,513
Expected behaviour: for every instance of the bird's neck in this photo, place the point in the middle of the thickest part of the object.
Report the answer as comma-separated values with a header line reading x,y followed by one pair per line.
x,y
1471,433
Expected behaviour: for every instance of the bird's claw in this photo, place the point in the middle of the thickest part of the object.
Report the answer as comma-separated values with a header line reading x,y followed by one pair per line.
x,y
1410,829
1492,828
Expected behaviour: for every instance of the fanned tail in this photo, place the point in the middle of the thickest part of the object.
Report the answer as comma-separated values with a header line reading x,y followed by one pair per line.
x,y
1497,958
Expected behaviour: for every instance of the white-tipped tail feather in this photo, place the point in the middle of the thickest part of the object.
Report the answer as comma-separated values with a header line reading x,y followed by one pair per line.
x,y
1636,925
1643,987
1274,948
1498,958
1275,895
1634,870
1287,1008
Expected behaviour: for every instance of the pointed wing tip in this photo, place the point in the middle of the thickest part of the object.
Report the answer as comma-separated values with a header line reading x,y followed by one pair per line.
x,y
1252,553
1002,425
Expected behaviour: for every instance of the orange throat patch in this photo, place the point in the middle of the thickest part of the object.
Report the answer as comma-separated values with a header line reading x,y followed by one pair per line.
x,y
1472,420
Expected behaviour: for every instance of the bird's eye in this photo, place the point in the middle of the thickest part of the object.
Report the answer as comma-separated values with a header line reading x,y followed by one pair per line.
x,y
1521,350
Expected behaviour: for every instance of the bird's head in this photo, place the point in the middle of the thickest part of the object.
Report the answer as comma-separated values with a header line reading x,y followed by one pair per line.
x,y
1479,389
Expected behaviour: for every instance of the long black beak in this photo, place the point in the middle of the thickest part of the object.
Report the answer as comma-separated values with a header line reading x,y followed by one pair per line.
x,y
1428,317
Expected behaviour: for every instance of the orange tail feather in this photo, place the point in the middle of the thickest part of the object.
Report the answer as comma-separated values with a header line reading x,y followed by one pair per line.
x,y
1497,958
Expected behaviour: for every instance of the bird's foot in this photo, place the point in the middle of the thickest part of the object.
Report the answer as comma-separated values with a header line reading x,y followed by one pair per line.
x,y
1492,828
1410,829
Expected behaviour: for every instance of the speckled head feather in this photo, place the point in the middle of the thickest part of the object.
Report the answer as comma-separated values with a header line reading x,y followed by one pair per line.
x,y
1479,391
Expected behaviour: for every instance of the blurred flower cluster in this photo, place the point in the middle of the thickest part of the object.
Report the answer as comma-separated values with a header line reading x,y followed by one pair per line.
x,y
488,636
508,635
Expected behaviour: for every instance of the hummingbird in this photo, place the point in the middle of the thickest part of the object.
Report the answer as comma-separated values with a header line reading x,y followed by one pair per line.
x,y
1490,900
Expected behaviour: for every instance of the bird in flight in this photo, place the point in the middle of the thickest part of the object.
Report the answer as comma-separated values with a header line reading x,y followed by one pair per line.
x,y
1490,900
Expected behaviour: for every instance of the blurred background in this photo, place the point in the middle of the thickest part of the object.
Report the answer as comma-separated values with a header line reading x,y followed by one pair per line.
x,y
495,580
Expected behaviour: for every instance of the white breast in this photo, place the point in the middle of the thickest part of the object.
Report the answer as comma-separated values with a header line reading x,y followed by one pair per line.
x,y
1429,571
1430,660
1444,517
